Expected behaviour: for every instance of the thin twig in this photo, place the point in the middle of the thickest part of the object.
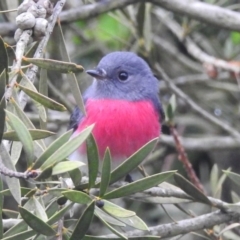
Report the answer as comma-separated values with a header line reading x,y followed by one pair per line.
x,y
182,156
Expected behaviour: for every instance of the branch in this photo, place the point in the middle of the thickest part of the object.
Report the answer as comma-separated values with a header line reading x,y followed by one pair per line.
x,y
194,78
204,12
203,143
190,45
207,13
184,226
196,107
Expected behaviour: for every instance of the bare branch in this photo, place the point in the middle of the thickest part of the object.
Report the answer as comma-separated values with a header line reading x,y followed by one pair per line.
x,y
185,226
203,143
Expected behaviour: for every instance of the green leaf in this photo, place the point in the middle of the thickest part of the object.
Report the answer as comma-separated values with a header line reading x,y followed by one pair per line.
x,y
73,84
21,236
55,65
23,135
1,208
45,101
2,117
68,148
54,218
93,160
83,223
190,189
111,228
44,174
76,176
26,82
132,162
52,148
13,183
115,210
39,210
66,166
139,186
106,217
171,108
2,82
135,222
3,61
16,229
36,223
35,134
235,37
233,176
77,196
25,119
106,170
43,89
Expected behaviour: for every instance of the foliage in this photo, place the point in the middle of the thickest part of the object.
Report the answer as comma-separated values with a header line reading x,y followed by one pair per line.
x,y
43,195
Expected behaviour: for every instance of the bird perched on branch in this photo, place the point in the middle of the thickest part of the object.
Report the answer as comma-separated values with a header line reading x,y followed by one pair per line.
x,y
124,104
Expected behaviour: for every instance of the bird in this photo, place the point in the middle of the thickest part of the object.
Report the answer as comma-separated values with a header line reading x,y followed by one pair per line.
x,y
123,103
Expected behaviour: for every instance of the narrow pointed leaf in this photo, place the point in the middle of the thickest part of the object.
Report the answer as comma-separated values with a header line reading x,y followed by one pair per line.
x,y
190,189
36,223
68,148
76,176
2,117
23,135
115,210
83,223
3,81
39,210
106,217
135,222
132,162
16,151
21,235
233,176
26,82
55,65
112,229
35,134
2,100
66,166
54,218
43,89
139,186
44,174
77,196
93,160
16,229
12,183
25,119
73,84
1,208
3,60
45,101
52,148
106,171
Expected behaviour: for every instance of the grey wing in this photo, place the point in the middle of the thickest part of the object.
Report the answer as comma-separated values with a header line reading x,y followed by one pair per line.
x,y
75,118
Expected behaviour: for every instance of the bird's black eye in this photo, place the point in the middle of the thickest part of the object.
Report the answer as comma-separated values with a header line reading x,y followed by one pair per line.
x,y
123,76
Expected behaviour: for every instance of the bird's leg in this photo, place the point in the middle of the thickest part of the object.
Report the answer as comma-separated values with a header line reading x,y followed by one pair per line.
x,y
128,178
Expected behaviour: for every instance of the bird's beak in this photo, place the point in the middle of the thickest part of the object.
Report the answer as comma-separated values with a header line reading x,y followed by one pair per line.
x,y
98,73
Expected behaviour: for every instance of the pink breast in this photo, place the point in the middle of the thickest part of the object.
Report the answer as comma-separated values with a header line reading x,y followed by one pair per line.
x,y
122,126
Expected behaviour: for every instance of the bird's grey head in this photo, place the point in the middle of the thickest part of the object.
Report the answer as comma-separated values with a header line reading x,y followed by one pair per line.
x,y
123,75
